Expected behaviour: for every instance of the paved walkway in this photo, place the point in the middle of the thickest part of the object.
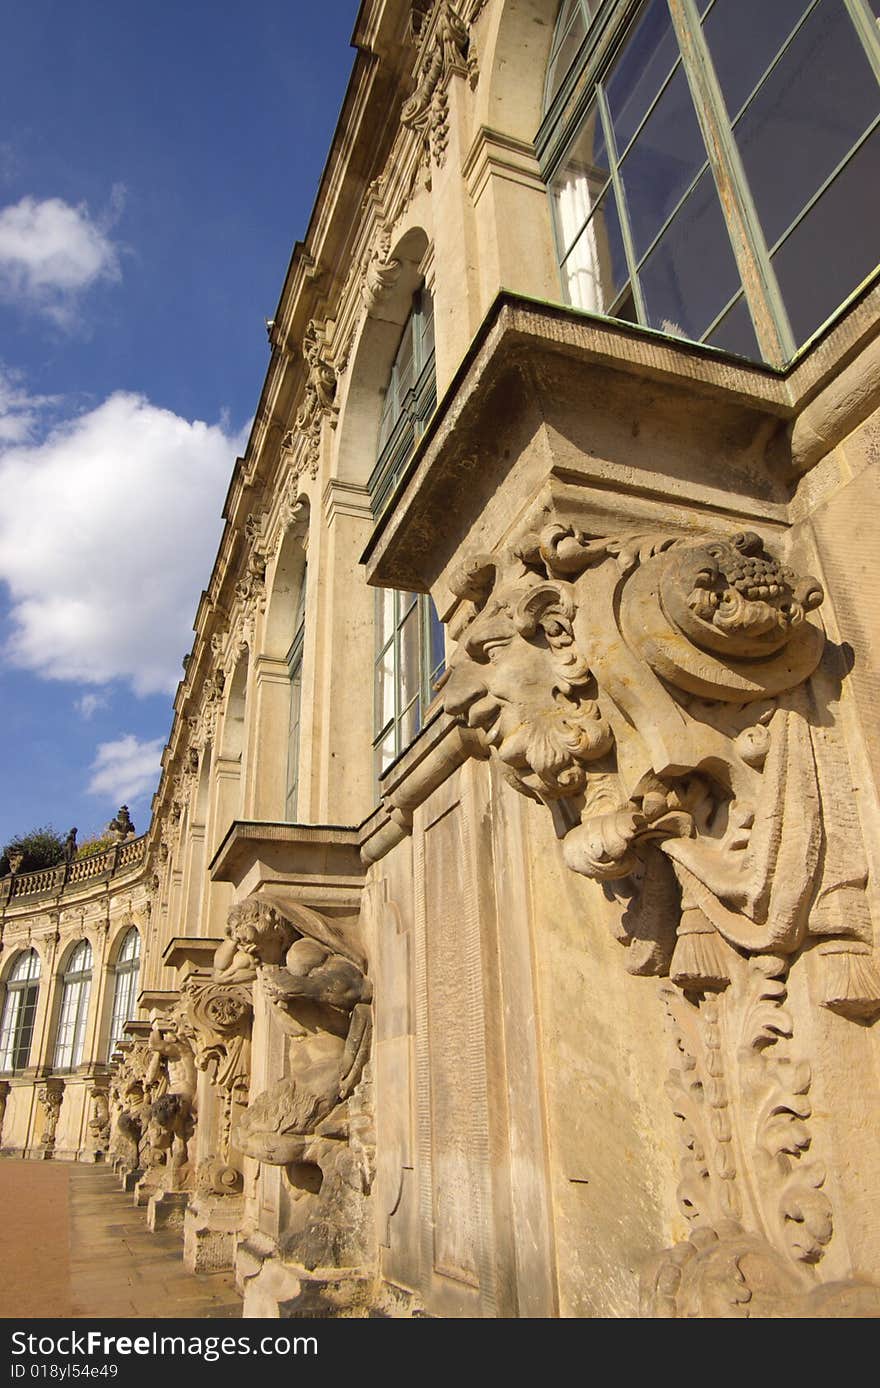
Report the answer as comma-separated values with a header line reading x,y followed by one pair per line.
x,y
72,1245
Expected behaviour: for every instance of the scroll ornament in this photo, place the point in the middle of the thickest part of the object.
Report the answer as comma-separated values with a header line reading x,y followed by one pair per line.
x,y
446,53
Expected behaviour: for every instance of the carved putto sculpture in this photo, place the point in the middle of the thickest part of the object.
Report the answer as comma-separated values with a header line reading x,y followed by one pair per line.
x,y
319,997
171,1081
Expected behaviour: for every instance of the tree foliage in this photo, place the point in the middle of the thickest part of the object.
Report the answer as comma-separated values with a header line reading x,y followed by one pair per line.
x,y
42,848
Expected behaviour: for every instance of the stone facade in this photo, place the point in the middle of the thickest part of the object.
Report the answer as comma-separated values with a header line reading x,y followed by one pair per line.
x,y
569,1012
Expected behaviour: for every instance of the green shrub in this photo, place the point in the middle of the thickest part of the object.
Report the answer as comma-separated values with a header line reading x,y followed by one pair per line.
x,y
42,848
94,845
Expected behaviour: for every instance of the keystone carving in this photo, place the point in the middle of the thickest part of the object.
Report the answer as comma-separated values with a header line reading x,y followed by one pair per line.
x,y
381,272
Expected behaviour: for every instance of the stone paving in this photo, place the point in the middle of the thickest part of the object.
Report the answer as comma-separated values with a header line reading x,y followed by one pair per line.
x,y
75,1246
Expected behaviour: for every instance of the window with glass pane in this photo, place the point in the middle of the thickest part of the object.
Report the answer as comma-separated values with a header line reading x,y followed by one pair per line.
x,y
294,665
408,665
409,400
19,1012
76,987
752,241
125,986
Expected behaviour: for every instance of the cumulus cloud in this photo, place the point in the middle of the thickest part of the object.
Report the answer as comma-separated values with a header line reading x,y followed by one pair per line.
x,y
89,704
20,411
108,530
51,252
125,769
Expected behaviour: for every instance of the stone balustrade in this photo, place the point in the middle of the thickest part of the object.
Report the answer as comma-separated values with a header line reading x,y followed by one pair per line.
x,y
54,881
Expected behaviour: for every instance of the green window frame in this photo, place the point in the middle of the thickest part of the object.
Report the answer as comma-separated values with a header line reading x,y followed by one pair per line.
x,y
410,400
410,660
295,669
714,165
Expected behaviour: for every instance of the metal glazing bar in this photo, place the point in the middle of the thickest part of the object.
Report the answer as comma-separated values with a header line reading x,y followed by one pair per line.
x,y
868,31
824,186
622,212
768,313
783,49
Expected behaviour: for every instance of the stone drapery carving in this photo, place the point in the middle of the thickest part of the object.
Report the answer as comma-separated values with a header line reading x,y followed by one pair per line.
x,y
316,1121
651,690
5,1088
427,110
50,1096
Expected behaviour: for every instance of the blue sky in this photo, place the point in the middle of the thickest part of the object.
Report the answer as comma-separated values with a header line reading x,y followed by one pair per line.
x,y
157,163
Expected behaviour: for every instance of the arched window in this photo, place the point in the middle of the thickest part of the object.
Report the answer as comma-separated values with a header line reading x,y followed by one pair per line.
x,y
714,165
409,635
125,988
294,666
410,399
76,987
19,1011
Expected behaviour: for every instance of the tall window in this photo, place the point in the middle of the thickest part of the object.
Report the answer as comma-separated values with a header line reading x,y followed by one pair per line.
x,y
409,635
77,985
19,1011
294,666
409,400
714,165
125,989
410,660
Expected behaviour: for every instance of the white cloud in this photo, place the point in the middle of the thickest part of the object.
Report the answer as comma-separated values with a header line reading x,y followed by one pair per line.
x,y
89,704
126,769
19,411
108,530
51,252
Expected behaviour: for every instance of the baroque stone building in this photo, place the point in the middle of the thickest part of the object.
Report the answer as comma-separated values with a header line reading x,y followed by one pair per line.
x,y
507,911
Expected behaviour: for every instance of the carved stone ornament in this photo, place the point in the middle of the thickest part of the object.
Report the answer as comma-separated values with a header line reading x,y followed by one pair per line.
x,y
319,400
651,691
427,110
381,272
50,1096
170,1085
99,1116
312,1122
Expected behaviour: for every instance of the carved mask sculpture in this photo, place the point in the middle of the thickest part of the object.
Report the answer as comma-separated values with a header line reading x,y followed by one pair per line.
x,y
652,704
650,689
